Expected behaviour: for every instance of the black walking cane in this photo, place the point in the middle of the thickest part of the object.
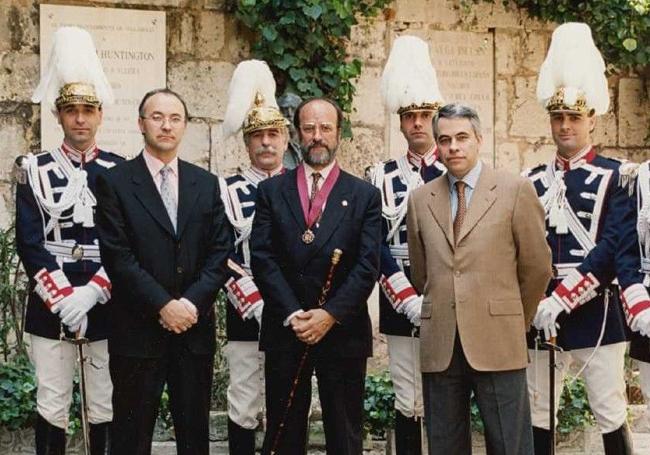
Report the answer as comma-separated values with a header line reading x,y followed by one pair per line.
x,y
336,257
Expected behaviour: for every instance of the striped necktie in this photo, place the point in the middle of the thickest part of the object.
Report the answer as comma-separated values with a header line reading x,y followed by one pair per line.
x,y
462,208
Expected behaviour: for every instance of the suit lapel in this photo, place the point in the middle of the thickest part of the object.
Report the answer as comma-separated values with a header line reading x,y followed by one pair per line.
x,y
146,192
187,195
483,198
440,207
292,198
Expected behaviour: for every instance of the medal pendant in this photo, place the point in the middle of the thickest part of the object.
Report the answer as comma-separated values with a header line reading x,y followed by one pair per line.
x,y
308,236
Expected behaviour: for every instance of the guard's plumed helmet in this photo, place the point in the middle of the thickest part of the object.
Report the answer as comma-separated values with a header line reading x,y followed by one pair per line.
x,y
409,81
74,73
251,100
572,78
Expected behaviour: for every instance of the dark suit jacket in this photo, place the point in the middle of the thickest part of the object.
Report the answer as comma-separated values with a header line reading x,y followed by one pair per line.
x,y
149,264
290,273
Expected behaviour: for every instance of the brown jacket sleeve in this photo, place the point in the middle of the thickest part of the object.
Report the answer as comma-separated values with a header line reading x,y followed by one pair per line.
x,y
534,266
416,249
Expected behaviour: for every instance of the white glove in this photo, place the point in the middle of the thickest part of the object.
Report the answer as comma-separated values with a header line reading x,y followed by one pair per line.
x,y
547,312
80,328
412,309
76,305
257,313
641,323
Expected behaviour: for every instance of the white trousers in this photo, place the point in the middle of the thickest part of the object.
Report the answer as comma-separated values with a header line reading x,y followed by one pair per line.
x,y
644,380
404,366
55,363
246,382
604,379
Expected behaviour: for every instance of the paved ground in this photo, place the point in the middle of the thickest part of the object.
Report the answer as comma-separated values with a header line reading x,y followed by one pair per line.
x,y
588,442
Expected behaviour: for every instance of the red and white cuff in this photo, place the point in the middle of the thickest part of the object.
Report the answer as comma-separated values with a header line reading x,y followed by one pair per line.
x,y
52,286
635,301
575,290
244,295
100,283
398,289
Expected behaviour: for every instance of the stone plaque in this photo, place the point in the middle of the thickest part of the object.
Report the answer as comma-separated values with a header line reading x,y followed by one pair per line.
x,y
464,63
131,45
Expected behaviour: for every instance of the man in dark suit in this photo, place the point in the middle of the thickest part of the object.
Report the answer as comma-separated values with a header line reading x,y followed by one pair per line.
x,y
302,217
164,242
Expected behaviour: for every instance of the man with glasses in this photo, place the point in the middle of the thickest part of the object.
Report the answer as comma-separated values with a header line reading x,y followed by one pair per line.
x,y
164,239
56,240
301,217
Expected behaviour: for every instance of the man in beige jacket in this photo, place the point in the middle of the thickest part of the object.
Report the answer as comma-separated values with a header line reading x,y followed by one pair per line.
x,y
479,256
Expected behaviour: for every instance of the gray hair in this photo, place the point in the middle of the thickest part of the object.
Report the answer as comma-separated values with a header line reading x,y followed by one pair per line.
x,y
456,110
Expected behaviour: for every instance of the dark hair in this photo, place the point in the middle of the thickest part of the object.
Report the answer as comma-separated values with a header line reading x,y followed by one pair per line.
x,y
456,110
339,111
166,91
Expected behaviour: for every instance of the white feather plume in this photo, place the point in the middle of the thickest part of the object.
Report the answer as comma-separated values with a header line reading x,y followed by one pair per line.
x,y
574,62
409,77
73,58
250,77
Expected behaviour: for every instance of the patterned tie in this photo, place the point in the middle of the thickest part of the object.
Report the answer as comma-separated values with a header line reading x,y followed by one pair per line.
x,y
314,188
167,194
462,209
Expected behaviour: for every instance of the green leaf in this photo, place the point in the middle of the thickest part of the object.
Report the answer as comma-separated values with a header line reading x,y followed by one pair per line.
x,y
630,44
313,11
269,32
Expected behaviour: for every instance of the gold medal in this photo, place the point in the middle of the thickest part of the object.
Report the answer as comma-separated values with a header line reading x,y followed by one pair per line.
x,y
308,236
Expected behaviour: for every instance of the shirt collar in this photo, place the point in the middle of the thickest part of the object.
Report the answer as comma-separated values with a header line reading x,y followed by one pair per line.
x,y
155,165
262,174
470,179
586,155
323,172
79,156
427,159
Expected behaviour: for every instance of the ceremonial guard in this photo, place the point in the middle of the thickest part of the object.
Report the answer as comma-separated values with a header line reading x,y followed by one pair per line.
x,y
635,298
409,89
57,243
251,108
586,211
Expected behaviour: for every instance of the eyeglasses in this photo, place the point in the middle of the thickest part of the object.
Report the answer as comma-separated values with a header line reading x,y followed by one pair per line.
x,y
325,128
159,120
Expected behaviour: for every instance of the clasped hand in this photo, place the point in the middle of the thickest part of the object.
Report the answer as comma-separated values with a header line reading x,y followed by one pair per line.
x,y
311,326
178,315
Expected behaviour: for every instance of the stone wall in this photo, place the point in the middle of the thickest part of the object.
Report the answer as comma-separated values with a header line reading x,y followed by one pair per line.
x,y
204,43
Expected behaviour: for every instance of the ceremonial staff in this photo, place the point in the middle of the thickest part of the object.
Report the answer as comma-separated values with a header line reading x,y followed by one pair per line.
x,y
336,257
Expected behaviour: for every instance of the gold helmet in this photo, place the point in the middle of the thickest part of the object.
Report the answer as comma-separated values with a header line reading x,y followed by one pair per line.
x,y
74,73
572,77
251,100
409,82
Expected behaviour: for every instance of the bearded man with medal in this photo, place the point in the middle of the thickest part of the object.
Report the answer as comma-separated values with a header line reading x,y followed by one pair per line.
x,y
302,216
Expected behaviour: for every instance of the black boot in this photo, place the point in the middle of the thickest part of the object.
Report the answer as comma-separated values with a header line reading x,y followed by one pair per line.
x,y
541,441
240,440
618,442
50,440
408,436
100,438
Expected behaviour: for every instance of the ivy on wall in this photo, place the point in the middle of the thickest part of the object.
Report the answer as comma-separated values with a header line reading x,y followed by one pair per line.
x,y
304,43
621,28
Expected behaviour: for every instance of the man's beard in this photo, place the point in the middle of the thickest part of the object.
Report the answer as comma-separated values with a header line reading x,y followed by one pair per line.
x,y
319,157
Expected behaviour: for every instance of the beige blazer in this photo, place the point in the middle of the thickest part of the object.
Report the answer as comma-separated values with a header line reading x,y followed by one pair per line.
x,y
490,283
